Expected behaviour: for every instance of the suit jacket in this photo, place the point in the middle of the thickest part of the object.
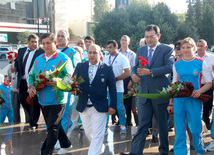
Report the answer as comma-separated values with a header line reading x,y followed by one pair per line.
x,y
19,63
97,90
161,66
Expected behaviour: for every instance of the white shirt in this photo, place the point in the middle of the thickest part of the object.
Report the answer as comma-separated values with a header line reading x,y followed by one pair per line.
x,y
85,54
29,59
120,63
209,58
130,55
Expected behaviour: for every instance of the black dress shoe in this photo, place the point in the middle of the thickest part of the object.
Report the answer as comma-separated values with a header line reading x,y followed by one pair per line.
x,y
154,139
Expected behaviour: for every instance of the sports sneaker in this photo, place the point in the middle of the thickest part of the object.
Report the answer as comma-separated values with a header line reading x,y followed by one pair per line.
x,y
57,145
123,129
210,147
70,130
64,150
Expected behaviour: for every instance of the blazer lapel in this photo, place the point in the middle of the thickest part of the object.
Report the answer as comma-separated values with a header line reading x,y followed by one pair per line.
x,y
22,54
86,72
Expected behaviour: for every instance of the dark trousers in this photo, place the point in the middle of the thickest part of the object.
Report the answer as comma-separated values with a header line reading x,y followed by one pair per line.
x,y
207,109
53,116
145,113
127,102
34,109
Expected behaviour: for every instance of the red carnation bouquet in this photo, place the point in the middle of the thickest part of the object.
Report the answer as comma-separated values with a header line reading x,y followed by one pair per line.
x,y
42,77
12,56
176,90
133,89
69,83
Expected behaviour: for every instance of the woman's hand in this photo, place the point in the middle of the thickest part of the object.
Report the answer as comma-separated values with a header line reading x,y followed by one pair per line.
x,y
170,109
196,93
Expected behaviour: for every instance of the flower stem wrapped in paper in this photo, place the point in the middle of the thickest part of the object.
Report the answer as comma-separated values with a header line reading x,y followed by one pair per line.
x,y
176,90
43,77
69,83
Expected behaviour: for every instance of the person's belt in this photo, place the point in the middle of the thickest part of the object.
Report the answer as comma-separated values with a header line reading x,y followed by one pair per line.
x,y
89,105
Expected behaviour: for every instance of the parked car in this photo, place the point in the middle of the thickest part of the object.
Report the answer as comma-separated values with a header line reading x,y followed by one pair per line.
x,y
3,52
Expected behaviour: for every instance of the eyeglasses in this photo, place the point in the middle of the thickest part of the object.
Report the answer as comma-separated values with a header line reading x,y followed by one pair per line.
x,y
150,37
178,48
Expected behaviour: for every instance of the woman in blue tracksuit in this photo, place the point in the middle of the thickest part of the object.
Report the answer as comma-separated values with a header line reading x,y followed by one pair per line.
x,y
189,69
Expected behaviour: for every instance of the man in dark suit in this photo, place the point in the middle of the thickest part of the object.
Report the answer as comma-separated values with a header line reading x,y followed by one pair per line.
x,y
93,102
26,58
152,78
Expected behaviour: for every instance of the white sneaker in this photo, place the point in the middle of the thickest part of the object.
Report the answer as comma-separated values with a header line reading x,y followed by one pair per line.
x,y
64,150
103,149
57,145
123,129
70,130
210,147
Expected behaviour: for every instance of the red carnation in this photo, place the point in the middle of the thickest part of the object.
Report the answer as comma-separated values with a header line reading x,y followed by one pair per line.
x,y
55,73
143,62
74,85
140,58
172,92
73,78
127,95
132,92
16,55
45,79
41,76
8,53
10,56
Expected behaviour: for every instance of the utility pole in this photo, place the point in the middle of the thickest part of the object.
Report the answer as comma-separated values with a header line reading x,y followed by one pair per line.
x,y
38,15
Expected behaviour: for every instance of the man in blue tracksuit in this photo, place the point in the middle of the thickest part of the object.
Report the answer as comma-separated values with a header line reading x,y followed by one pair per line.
x,y
52,100
6,110
62,45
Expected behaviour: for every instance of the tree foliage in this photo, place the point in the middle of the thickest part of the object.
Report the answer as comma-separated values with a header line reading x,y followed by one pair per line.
x,y
197,23
133,21
100,7
22,36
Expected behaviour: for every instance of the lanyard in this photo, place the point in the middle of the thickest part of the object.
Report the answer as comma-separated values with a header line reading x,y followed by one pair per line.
x,y
113,59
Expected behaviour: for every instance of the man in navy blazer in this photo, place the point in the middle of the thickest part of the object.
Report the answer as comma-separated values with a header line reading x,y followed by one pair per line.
x,y
23,67
93,102
152,78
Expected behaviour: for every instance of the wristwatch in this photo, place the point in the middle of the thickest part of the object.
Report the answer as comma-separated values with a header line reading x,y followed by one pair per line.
x,y
151,73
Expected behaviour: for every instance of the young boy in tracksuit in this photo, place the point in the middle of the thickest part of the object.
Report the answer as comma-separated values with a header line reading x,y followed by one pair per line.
x,y
6,109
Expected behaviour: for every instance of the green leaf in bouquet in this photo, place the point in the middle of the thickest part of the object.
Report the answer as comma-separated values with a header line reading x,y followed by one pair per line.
x,y
155,96
57,71
62,86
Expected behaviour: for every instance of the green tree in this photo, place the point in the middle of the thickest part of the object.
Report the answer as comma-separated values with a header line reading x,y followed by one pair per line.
x,y
167,21
207,32
190,24
100,8
133,20
22,36
198,13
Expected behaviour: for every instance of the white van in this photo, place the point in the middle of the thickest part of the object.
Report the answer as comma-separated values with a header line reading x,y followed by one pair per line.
x,y
3,52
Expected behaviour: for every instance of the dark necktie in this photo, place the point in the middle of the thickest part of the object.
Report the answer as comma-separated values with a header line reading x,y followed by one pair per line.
x,y
150,55
25,61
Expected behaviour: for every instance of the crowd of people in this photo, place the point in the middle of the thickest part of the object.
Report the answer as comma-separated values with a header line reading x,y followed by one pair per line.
x,y
107,78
